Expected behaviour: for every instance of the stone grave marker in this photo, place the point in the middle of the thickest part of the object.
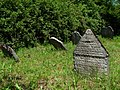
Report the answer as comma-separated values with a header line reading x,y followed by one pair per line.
x,y
8,51
75,37
57,43
90,56
107,32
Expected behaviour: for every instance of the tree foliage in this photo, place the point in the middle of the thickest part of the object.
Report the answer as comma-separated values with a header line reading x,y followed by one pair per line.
x,y
110,12
26,22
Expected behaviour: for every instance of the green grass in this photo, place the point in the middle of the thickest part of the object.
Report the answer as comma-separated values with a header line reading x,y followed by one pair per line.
x,y
44,68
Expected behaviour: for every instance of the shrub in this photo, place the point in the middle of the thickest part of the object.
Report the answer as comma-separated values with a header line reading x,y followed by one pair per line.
x,y
25,22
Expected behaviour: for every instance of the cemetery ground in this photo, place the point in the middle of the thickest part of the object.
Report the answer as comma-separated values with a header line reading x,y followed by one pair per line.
x,y
45,68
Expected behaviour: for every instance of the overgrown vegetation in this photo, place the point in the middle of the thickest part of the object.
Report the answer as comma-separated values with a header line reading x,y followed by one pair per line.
x,y
26,22
44,68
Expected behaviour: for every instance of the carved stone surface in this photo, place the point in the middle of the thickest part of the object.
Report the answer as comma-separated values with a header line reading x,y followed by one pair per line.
x,y
90,57
8,51
57,43
107,32
75,37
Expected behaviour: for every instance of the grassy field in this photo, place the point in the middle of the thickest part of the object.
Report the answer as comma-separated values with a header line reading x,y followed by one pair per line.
x,y
44,68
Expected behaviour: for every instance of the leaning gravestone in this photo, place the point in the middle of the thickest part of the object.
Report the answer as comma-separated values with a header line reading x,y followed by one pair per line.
x,y
107,32
90,57
75,37
8,51
57,43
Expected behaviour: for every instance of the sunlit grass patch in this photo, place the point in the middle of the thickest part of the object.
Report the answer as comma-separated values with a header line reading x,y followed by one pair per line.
x,y
44,67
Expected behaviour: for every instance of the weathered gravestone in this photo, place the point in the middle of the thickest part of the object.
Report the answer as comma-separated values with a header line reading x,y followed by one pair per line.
x,y
107,32
75,37
57,43
90,57
8,51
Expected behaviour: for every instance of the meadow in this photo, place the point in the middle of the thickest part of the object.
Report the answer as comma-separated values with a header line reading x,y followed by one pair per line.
x,y
45,68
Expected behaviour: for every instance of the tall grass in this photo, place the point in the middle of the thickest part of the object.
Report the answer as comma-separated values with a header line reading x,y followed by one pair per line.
x,y
43,68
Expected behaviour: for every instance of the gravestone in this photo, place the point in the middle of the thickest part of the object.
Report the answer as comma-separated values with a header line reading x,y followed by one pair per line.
x,y
90,56
57,43
8,51
107,32
75,37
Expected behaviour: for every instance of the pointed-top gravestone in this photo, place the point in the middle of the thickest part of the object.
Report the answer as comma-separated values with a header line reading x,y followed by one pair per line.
x,y
57,43
8,51
107,32
75,37
90,57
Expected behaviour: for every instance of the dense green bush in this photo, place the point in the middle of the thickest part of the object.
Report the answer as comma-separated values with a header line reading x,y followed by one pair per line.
x,y
110,12
25,22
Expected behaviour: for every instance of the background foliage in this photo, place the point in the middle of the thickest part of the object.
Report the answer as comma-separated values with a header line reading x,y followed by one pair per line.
x,y
26,22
